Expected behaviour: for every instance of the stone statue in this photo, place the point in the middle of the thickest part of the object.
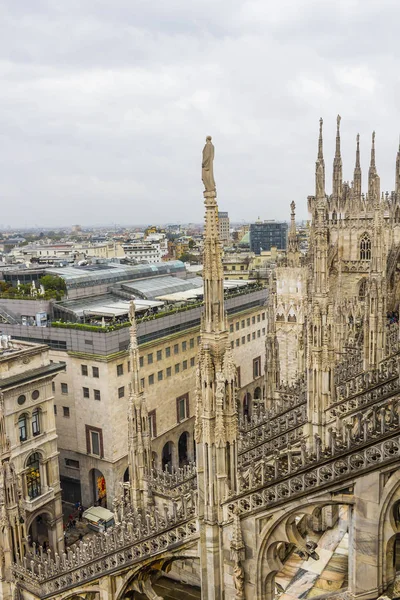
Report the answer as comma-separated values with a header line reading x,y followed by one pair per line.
x,y
207,168
319,179
132,312
238,580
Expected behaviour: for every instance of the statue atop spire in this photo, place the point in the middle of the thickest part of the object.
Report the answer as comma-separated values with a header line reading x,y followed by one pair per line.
x,y
357,171
337,165
293,253
207,166
216,426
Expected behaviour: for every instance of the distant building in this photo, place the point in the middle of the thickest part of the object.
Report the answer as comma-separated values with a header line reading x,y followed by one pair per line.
x,y
143,251
223,226
264,235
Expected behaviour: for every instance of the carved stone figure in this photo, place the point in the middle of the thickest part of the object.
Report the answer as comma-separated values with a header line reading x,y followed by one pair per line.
x,y
207,166
238,580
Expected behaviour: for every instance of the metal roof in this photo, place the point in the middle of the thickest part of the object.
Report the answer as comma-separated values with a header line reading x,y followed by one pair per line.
x,y
155,287
100,273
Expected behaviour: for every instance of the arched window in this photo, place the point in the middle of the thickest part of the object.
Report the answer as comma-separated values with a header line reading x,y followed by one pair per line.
x,y
362,289
365,247
23,431
33,476
36,422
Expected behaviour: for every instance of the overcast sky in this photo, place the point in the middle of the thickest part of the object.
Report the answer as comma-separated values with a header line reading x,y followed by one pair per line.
x,y
105,104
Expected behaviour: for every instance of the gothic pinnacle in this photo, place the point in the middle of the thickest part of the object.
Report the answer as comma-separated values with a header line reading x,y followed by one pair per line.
x,y
357,170
337,164
320,142
372,174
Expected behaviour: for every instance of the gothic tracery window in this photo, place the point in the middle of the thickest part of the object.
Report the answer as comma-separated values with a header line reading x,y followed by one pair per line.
x,y
365,247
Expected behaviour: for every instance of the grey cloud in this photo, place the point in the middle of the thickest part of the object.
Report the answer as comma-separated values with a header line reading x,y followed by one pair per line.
x,y
105,106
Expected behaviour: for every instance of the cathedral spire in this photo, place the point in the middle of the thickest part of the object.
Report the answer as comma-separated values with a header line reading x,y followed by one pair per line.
x,y
214,316
372,173
357,170
320,167
337,165
293,245
139,445
216,426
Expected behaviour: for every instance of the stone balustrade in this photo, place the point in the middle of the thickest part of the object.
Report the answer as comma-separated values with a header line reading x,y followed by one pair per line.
x,y
130,541
179,481
366,441
387,370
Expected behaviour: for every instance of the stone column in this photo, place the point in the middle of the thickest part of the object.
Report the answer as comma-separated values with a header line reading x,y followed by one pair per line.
x,y
364,538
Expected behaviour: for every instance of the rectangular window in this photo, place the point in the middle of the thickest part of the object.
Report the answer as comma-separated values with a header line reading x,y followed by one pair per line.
x,y
231,328
129,366
159,354
238,382
184,346
55,409
244,339
258,333
53,386
168,371
86,393
248,322
64,388
248,337
243,324
258,318
184,365
237,325
97,395
237,342
121,392
167,352
191,343
151,379
140,361
192,361
177,368
253,320
198,340
263,316
232,345
66,411
142,383
263,331
94,441
159,375
150,358
95,372
84,370
257,367
152,424
120,370
182,407
176,348
74,464
253,335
